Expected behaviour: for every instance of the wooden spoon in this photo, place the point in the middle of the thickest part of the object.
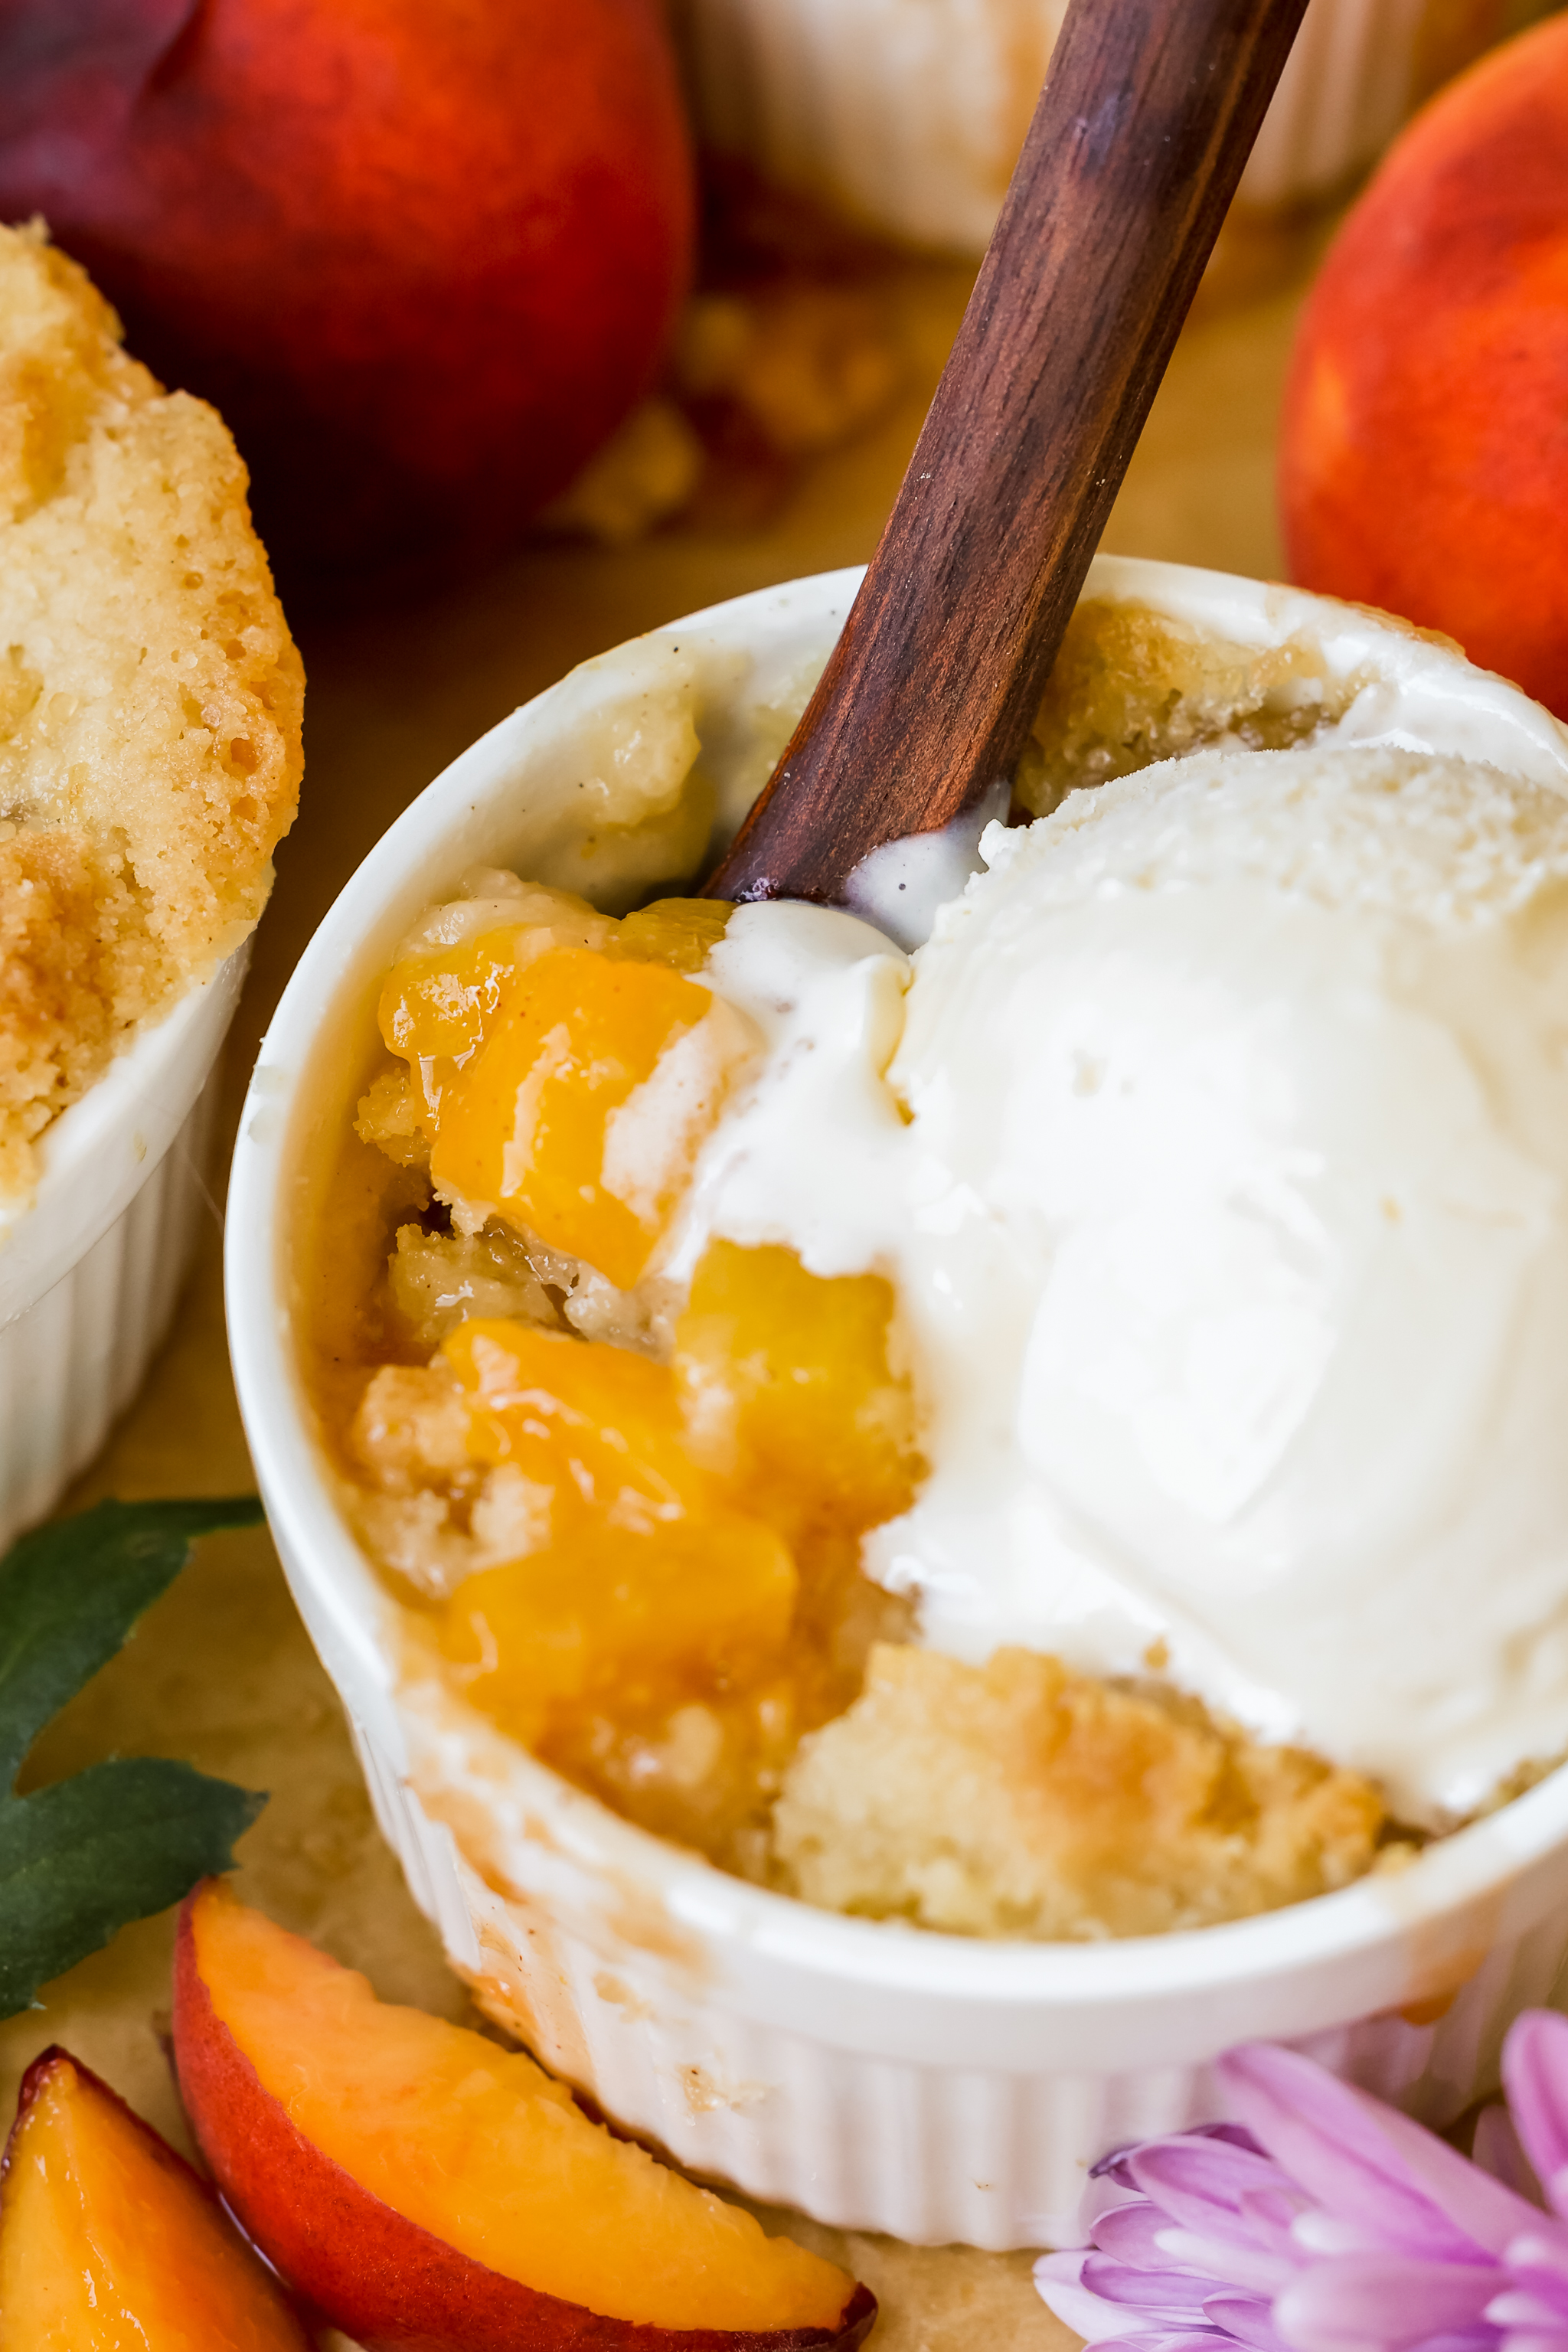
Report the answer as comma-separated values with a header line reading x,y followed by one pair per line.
x,y
1147,117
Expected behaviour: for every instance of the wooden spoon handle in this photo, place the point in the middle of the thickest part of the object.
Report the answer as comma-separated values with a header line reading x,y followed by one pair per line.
x,y
1147,117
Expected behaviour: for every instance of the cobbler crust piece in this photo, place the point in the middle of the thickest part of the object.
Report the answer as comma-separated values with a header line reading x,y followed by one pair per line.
x,y
1021,1798
1132,685
150,694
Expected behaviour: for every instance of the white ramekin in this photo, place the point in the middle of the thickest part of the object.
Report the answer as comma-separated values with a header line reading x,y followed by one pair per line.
x,y
1358,71
92,1260
911,118
872,2075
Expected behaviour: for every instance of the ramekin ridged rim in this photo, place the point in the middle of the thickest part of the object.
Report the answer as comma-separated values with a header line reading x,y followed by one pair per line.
x,y
96,1155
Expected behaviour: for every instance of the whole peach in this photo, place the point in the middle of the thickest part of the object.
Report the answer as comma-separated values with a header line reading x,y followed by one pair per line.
x,y
422,254
1424,449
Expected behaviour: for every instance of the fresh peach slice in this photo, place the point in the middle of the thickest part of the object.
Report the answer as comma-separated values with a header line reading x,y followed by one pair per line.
x,y
427,2190
108,2239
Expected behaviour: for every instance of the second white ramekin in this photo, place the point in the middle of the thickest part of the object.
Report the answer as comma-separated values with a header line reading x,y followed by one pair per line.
x,y
911,118
870,2075
91,1263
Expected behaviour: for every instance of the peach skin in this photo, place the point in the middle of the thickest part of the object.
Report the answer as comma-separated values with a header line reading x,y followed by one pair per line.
x,y
422,273
423,2186
106,2237
1423,463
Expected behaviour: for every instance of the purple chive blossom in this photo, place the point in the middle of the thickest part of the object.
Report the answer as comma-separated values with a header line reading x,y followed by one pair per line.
x,y
1321,2221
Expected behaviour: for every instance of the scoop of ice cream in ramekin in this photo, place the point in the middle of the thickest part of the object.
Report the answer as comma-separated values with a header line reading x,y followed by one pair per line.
x,y
1153,1152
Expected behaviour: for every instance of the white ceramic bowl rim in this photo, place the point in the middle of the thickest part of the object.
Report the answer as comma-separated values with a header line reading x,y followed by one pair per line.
x,y
94,1156
1473,1864
79,1133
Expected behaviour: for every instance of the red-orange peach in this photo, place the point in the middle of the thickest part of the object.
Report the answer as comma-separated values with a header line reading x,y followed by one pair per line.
x,y
424,2188
106,2238
1424,448
424,259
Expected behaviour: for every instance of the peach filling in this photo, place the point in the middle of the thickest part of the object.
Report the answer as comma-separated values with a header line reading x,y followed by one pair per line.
x,y
641,1553
680,1601
650,1582
567,1087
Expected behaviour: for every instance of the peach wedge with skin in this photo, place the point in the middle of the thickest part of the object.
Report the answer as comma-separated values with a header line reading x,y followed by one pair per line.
x,y
108,2238
430,2191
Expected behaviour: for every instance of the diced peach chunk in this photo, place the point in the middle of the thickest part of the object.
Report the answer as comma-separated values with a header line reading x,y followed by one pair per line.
x,y
680,932
437,1008
600,1424
568,1086
652,1585
789,1372
528,1124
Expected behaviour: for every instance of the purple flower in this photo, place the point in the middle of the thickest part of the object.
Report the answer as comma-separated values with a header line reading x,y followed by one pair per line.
x,y
1322,2221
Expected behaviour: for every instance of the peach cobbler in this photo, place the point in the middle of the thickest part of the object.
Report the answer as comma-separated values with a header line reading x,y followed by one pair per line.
x,y
630,1498
898,1426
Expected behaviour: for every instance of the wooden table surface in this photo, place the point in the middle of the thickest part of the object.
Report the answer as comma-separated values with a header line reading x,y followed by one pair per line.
x,y
221,1672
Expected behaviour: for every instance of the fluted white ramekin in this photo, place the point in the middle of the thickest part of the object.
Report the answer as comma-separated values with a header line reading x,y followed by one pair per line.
x,y
871,2074
1357,72
92,1260
911,118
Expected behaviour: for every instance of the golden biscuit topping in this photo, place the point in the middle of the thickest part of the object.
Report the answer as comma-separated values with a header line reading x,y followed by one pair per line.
x,y
150,694
1021,1798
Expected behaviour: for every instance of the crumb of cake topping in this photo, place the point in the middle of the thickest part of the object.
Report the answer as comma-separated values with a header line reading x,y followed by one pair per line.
x,y
411,1427
435,1281
150,694
438,1280
1132,685
435,1540
1020,1798
388,1116
418,1537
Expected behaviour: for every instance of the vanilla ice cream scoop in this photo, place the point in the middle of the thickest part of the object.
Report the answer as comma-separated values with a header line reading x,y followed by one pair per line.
x,y
1222,1165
